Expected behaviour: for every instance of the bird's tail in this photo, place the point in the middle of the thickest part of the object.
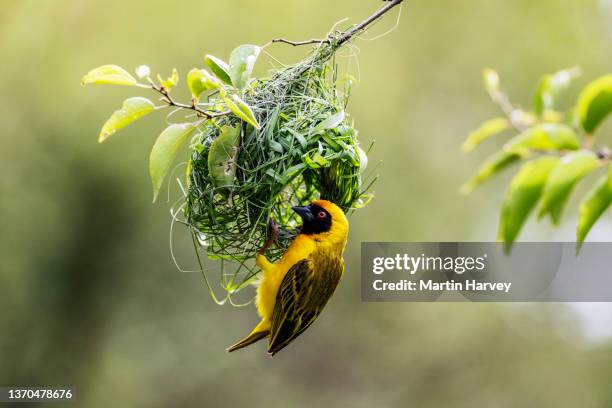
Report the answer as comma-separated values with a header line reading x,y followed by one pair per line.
x,y
250,339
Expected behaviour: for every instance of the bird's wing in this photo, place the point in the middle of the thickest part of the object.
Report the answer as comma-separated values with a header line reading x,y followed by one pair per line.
x,y
301,296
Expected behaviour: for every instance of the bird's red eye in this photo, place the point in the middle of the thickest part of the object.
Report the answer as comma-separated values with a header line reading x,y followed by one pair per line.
x,y
322,214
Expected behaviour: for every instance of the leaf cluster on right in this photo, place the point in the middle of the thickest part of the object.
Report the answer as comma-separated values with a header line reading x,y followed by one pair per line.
x,y
555,149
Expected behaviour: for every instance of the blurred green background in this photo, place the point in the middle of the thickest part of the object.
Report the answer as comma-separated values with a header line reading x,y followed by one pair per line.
x,y
90,296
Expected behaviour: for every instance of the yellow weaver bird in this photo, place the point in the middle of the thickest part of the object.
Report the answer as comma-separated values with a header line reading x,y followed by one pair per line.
x,y
294,291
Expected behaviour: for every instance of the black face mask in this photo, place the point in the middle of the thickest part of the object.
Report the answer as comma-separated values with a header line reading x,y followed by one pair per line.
x,y
316,219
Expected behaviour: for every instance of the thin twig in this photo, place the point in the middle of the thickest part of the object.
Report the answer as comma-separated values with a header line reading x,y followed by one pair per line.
x,y
298,43
347,35
362,26
171,102
511,112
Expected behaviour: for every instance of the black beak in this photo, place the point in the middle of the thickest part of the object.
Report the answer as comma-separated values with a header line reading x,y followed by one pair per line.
x,y
303,212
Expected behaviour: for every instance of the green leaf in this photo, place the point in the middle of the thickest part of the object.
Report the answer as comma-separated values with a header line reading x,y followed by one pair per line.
x,y
490,128
335,146
550,87
200,81
331,122
562,180
547,136
171,82
363,159
222,156
219,68
522,197
491,167
164,152
242,62
194,82
315,160
271,125
300,138
594,206
277,147
132,110
292,171
109,74
595,103
242,110
188,169
272,173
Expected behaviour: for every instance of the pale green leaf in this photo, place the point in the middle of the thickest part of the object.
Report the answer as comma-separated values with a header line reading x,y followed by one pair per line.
x,y
488,129
290,172
595,103
522,197
300,137
363,159
200,81
277,147
241,109
222,156
165,150
242,62
219,68
271,124
491,167
550,87
132,109
594,206
330,122
188,169
547,136
562,180
109,74
171,82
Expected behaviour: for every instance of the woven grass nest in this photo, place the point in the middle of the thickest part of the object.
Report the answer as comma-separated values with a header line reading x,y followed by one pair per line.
x,y
306,147
257,146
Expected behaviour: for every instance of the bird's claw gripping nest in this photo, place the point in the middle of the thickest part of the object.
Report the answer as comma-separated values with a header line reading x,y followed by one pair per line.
x,y
273,233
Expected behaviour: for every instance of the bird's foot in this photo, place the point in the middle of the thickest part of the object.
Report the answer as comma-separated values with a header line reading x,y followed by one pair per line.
x,y
273,232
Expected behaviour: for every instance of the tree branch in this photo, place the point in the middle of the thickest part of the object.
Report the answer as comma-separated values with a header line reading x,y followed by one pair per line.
x,y
171,102
373,18
346,35
337,40
298,43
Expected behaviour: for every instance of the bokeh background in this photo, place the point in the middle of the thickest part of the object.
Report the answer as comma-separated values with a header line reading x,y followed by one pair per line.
x,y
90,296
